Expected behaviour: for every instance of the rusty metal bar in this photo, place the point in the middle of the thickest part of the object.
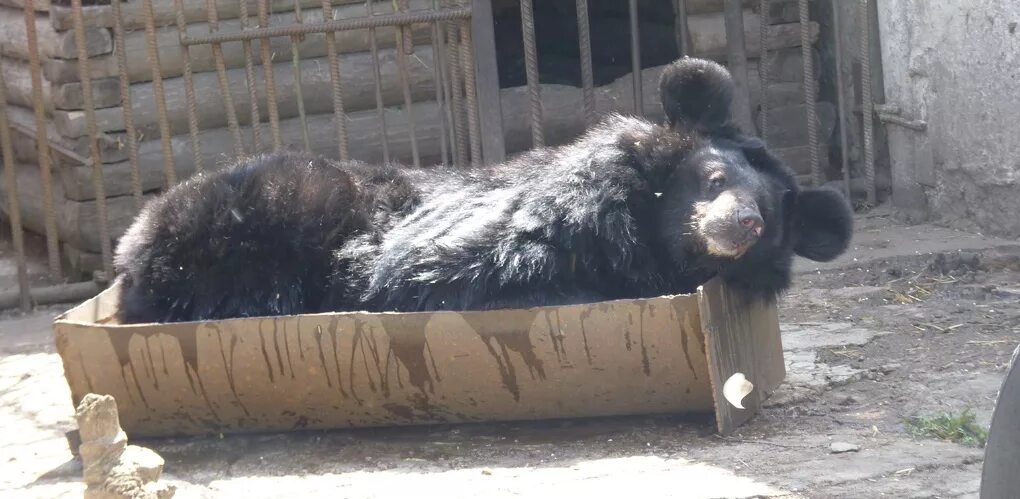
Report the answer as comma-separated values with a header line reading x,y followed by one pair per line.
x,y
490,109
295,59
159,94
24,299
446,69
404,48
736,55
221,72
189,84
42,142
867,106
763,68
377,81
531,71
587,76
99,187
683,38
467,60
457,89
844,155
437,78
126,104
250,82
269,75
635,59
334,70
380,21
809,90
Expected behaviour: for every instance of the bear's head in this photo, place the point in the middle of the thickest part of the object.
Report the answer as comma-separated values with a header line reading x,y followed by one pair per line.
x,y
727,206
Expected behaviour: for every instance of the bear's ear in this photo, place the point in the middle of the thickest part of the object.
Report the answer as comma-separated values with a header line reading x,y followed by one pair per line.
x,y
822,224
696,93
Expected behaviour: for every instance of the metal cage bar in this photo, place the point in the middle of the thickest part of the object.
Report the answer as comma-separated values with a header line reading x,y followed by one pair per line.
x,y
99,187
42,143
189,86
13,204
221,72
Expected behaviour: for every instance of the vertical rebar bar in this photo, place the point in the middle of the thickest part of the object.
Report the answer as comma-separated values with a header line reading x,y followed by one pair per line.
x,y
189,83
446,69
126,103
471,93
295,60
736,55
250,82
763,69
221,72
531,72
98,186
683,42
437,79
42,142
457,90
158,93
373,46
807,55
334,70
867,106
635,59
405,47
270,76
13,204
844,145
587,77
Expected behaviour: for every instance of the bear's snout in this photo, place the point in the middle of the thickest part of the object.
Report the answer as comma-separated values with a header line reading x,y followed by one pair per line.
x,y
749,218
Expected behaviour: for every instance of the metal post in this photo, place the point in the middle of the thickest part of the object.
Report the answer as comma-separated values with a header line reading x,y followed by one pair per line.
x,y
736,55
844,145
635,59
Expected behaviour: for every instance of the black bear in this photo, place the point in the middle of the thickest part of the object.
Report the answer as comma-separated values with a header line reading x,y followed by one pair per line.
x,y
253,239
631,209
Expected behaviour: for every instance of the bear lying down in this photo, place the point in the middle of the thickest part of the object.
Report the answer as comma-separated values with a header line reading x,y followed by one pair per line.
x,y
631,209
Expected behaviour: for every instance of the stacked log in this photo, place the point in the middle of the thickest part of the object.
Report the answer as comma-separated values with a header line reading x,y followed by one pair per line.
x,y
76,204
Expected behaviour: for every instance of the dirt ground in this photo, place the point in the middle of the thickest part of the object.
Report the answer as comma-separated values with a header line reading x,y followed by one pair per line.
x,y
915,321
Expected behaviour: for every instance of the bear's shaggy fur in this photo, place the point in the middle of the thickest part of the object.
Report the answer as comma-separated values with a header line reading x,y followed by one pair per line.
x,y
631,209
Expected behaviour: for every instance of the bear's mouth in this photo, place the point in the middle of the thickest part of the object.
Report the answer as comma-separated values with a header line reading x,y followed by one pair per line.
x,y
730,247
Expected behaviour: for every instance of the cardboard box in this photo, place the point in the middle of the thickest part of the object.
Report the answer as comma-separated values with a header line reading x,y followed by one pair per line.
x,y
340,370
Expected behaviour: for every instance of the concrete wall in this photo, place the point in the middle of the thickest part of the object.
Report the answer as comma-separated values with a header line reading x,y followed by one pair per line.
x,y
955,64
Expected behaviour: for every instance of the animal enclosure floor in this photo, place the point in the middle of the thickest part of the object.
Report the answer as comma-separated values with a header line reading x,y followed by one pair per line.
x,y
914,321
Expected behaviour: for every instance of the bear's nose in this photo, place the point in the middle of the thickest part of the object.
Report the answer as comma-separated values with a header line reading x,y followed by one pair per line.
x,y
751,220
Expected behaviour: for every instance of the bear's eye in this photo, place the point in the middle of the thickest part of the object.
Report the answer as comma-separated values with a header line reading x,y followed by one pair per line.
x,y
717,182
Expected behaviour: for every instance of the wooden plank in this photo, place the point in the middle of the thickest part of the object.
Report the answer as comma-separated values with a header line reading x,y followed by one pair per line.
x,y
742,336
52,44
172,64
194,11
106,92
316,86
40,5
112,145
217,147
708,35
77,221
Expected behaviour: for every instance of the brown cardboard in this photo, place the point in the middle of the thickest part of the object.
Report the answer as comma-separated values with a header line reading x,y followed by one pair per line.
x,y
342,370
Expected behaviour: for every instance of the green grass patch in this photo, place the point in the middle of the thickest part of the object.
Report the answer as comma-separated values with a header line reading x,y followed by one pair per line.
x,y
960,428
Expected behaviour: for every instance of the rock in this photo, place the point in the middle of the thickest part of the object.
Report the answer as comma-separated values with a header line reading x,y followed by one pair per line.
x,y
112,469
888,368
841,447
